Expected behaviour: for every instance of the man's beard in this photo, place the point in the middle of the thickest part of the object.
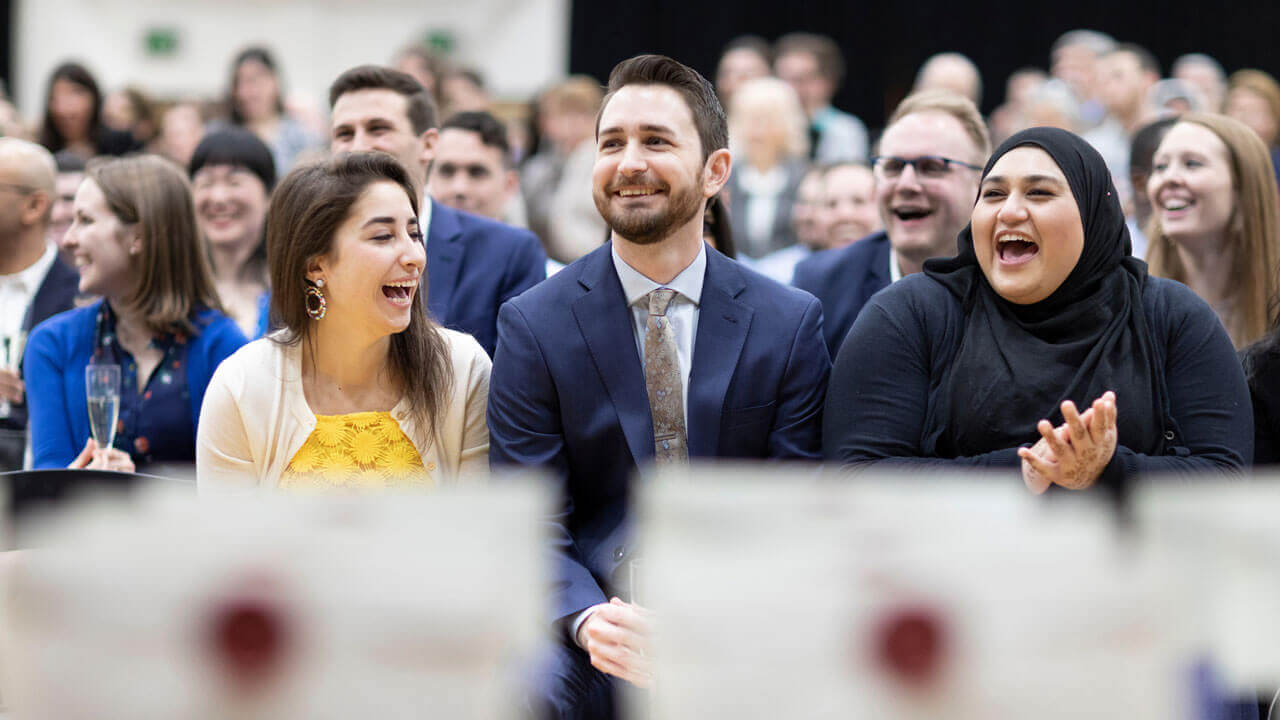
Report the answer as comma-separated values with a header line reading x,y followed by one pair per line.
x,y
643,226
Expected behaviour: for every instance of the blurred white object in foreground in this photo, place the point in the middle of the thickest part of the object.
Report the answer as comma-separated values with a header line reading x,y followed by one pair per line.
x,y
895,597
1223,542
379,605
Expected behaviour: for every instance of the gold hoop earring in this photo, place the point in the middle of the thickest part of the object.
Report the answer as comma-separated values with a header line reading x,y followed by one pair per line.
x,y
315,302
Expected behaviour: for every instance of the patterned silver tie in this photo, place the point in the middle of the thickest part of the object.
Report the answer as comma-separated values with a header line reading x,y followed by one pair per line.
x,y
662,378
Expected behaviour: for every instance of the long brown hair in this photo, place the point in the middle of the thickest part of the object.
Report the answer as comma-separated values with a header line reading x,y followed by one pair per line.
x,y
1252,234
306,209
172,278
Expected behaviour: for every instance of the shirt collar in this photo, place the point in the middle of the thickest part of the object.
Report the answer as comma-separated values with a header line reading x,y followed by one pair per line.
x,y
31,278
895,271
424,217
688,283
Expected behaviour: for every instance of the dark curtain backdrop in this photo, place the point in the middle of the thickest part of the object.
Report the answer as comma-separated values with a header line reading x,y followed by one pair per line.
x,y
885,42
6,44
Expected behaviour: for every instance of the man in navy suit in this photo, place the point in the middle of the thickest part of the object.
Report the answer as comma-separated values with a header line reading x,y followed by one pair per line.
x,y
653,348
34,283
474,264
927,171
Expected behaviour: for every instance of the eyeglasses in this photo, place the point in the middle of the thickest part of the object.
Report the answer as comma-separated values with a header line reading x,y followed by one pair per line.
x,y
926,166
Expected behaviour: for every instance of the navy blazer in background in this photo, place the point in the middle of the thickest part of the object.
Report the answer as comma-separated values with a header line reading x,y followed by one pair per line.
x,y
844,280
57,293
475,264
568,393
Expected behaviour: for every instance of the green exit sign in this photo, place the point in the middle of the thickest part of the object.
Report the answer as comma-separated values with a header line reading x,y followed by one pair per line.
x,y
441,41
161,41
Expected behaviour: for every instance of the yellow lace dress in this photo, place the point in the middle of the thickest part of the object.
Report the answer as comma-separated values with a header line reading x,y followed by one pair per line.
x,y
357,450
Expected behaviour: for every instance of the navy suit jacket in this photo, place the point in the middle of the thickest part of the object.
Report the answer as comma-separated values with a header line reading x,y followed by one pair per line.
x,y
844,280
57,293
475,264
567,393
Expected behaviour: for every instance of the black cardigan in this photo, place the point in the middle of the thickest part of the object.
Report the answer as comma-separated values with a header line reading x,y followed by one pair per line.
x,y
897,356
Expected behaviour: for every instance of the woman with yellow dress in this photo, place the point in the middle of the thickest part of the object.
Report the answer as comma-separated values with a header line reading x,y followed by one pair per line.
x,y
359,387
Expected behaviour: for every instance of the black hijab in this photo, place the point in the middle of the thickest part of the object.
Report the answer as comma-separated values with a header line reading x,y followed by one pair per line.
x,y
1017,363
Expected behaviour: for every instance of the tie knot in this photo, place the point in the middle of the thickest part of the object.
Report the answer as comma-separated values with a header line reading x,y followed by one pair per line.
x,y
660,300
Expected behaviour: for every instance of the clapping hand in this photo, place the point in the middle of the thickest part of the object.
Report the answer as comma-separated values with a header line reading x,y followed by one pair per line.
x,y
1075,453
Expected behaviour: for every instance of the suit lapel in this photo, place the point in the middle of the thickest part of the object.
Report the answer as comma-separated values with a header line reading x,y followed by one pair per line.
x,y
445,251
723,323
57,292
877,272
607,326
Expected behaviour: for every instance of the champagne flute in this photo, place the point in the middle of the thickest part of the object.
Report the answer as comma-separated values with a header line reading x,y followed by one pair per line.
x,y
102,390
10,357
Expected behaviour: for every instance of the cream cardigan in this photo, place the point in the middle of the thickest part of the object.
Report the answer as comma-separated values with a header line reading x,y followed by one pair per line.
x,y
255,417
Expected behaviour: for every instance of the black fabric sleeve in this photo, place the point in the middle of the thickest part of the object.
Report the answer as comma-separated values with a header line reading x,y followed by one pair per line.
x,y
879,393
1208,398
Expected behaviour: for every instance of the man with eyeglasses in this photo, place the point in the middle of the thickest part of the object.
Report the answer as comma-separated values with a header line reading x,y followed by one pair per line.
x,y
926,179
34,284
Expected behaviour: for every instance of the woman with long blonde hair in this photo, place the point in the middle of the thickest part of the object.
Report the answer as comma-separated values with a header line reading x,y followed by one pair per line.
x,y
1214,226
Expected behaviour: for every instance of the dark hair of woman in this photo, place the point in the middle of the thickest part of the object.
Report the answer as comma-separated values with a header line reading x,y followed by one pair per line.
x,y
306,210
239,148
50,136
251,54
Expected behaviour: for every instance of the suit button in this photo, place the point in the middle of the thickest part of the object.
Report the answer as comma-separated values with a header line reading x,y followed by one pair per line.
x,y
619,553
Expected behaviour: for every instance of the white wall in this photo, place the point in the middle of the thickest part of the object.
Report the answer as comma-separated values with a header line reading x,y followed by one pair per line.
x,y
519,45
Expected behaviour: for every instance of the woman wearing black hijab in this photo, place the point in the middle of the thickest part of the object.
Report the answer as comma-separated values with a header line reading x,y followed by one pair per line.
x,y
984,359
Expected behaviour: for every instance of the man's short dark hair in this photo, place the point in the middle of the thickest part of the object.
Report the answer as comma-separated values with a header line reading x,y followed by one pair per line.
x,y
698,94
491,131
822,48
1146,61
421,108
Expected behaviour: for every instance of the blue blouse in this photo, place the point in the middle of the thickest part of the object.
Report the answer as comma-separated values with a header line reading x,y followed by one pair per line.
x,y
156,424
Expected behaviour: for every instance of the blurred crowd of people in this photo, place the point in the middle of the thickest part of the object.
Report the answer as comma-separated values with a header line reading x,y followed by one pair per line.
x,y
528,162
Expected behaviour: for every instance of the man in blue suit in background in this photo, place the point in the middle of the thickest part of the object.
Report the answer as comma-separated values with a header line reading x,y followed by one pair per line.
x,y
926,174
652,349
474,264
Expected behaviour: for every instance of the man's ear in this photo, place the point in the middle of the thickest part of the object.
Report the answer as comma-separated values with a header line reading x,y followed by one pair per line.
x,y
715,172
512,186
35,207
429,137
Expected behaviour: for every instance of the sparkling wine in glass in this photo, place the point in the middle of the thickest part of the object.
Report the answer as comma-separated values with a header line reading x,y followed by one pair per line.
x,y
102,388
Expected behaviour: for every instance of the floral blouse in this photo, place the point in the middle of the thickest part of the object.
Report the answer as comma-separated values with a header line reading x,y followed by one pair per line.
x,y
155,419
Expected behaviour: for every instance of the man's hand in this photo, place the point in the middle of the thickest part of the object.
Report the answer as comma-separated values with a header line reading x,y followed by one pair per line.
x,y
616,636
11,387
1078,450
